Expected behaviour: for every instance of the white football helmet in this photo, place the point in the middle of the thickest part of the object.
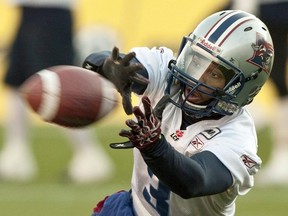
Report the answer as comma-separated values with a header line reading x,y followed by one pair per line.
x,y
241,47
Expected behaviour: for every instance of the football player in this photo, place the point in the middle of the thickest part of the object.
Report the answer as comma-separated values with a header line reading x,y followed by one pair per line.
x,y
195,143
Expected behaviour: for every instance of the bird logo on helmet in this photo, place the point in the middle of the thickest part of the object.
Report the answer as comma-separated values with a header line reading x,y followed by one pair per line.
x,y
263,53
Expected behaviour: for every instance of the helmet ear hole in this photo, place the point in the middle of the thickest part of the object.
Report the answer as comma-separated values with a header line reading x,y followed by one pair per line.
x,y
264,28
254,75
248,29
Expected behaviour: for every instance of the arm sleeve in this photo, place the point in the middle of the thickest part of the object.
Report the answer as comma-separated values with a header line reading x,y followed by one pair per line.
x,y
199,175
95,62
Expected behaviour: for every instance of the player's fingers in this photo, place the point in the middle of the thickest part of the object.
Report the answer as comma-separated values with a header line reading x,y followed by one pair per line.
x,y
125,133
132,124
115,53
147,107
132,68
139,115
126,101
138,78
132,75
127,58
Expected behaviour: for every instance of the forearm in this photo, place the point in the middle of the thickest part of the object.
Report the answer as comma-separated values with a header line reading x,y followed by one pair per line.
x,y
185,176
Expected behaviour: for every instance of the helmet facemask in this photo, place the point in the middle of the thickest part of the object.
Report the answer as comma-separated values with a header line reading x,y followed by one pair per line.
x,y
206,82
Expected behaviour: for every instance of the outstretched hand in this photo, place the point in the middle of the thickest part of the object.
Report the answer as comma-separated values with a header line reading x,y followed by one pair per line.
x,y
123,74
147,130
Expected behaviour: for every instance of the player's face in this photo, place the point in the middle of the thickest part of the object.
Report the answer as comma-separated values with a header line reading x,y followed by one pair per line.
x,y
204,67
213,77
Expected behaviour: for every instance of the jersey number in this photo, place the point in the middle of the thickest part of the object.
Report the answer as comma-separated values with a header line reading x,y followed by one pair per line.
x,y
157,197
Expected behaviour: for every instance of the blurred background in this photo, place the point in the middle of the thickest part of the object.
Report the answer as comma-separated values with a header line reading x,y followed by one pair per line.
x,y
132,23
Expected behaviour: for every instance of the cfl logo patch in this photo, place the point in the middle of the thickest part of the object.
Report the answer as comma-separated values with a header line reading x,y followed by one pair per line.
x,y
178,134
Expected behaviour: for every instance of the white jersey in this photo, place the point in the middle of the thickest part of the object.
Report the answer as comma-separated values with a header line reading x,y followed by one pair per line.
x,y
232,139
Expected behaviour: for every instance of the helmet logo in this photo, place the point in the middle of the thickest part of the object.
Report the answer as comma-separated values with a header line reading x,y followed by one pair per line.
x,y
209,46
233,88
263,53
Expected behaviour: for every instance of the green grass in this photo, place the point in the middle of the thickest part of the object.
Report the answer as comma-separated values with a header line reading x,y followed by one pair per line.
x,y
52,194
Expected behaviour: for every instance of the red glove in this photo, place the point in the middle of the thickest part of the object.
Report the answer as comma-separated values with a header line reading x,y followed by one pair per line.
x,y
147,129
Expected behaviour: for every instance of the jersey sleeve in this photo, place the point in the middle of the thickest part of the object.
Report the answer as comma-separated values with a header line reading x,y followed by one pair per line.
x,y
237,150
156,62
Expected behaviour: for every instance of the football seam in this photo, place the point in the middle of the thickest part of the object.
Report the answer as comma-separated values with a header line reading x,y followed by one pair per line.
x,y
49,106
108,98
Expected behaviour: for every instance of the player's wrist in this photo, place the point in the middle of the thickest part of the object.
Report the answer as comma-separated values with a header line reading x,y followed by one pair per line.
x,y
155,147
95,61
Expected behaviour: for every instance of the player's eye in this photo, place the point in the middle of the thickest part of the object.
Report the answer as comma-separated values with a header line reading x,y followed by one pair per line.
x,y
216,74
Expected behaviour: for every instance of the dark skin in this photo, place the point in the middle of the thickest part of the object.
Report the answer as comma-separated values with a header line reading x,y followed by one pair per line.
x,y
212,77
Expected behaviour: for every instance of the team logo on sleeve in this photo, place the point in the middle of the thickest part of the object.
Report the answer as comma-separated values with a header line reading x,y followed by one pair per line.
x,y
251,164
210,133
197,143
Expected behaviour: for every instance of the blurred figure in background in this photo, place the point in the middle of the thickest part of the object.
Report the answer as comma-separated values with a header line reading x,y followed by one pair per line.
x,y
93,38
274,14
44,38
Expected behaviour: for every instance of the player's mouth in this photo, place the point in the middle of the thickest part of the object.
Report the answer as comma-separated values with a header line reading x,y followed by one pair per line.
x,y
195,97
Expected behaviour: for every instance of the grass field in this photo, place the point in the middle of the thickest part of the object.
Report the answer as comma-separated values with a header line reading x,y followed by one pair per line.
x,y
52,194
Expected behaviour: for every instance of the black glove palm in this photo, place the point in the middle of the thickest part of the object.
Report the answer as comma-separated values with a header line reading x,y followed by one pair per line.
x,y
123,74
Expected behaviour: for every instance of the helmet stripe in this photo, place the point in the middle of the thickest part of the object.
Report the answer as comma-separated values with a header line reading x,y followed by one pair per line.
x,y
222,27
217,23
230,32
